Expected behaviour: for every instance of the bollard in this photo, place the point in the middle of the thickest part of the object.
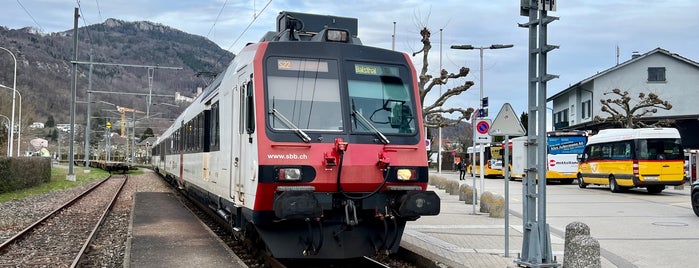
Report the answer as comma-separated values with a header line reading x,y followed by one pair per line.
x,y
452,187
466,194
580,250
585,252
486,200
497,206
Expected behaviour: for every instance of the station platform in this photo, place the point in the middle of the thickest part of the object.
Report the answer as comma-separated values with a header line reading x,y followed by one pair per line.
x,y
164,234
462,236
458,237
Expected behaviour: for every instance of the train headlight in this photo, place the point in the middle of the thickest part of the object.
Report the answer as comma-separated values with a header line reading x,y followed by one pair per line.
x,y
406,174
337,35
289,174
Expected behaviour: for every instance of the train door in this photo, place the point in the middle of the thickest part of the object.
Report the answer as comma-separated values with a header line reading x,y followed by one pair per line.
x,y
237,131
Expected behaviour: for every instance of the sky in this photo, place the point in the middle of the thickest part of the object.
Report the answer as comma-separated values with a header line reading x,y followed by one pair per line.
x,y
588,32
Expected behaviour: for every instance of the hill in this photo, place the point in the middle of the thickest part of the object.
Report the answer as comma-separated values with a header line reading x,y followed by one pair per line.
x,y
44,67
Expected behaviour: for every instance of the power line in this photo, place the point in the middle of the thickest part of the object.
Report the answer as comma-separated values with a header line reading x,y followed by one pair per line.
x,y
87,30
98,10
218,16
30,15
255,16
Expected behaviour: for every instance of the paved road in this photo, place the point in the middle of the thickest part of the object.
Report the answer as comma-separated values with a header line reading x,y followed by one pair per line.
x,y
635,228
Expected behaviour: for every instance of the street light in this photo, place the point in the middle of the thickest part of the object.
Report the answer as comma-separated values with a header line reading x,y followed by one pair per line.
x,y
470,47
14,88
19,125
480,105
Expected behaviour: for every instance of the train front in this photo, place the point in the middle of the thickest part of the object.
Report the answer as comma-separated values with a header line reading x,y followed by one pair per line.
x,y
343,163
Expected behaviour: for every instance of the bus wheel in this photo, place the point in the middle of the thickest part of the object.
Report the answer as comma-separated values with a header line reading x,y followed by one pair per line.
x,y
613,186
655,189
581,183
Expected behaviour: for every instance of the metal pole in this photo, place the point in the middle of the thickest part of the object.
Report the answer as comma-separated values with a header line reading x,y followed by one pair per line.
x,y
473,161
8,135
133,137
14,90
19,124
439,151
480,104
89,111
507,195
74,86
151,71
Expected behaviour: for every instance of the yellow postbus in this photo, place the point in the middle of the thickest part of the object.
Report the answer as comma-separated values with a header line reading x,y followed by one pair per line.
x,y
625,158
491,158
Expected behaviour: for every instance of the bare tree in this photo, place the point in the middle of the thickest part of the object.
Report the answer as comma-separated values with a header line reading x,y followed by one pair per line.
x,y
433,113
622,112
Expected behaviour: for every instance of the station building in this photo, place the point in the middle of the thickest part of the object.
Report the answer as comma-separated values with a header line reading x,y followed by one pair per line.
x,y
670,76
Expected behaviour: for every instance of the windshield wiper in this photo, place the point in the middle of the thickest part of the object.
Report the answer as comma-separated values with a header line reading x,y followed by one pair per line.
x,y
369,125
290,125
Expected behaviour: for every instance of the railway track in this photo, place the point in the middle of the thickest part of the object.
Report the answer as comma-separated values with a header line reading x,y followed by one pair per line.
x,y
253,255
71,226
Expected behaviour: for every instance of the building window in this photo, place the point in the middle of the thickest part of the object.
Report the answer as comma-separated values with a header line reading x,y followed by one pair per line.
x,y
586,109
656,74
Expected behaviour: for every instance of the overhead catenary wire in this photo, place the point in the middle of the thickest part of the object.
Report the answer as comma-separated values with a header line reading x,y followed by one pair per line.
x,y
217,17
41,29
255,16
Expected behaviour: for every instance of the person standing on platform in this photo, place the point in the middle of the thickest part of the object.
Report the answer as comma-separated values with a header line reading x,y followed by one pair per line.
x,y
462,170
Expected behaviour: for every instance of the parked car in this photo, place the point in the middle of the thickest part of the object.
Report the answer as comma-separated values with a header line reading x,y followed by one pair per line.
x,y
695,197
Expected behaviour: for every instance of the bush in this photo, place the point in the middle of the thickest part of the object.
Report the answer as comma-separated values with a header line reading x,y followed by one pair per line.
x,y
23,172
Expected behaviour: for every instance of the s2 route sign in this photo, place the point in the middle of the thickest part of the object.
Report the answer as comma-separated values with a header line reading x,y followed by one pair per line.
x,y
482,127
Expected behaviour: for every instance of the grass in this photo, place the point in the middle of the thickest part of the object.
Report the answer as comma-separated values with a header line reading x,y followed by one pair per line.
x,y
59,182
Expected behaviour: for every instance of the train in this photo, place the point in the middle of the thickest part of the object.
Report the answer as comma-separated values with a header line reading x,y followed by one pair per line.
x,y
309,142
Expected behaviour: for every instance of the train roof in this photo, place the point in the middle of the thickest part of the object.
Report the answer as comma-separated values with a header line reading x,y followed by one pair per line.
x,y
620,134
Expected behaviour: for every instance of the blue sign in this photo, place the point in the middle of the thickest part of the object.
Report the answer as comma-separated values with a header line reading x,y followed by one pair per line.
x,y
566,145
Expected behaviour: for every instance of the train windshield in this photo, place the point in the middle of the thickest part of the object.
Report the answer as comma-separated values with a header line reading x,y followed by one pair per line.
x,y
304,94
381,95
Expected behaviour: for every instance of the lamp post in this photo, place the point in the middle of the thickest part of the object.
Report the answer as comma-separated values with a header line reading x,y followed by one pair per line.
x,y
494,46
19,125
14,88
480,102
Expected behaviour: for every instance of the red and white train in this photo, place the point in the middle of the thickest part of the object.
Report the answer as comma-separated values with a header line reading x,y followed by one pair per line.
x,y
309,140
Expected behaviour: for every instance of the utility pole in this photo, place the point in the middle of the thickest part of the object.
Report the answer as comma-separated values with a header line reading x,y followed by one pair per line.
x,y
74,82
536,244
151,70
87,127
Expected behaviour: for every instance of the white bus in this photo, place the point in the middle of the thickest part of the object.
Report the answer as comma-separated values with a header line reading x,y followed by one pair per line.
x,y
562,151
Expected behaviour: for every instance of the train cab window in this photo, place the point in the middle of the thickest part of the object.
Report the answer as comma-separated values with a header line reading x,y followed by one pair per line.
x,y
303,93
381,95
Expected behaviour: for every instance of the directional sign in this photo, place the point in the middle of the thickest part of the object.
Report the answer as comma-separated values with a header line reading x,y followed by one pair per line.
x,y
507,123
481,131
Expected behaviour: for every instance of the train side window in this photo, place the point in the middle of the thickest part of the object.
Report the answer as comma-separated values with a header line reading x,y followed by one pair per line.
x,y
214,135
250,113
241,113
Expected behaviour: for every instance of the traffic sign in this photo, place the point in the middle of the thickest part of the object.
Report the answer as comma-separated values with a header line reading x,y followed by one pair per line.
x,y
481,128
507,123
428,144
